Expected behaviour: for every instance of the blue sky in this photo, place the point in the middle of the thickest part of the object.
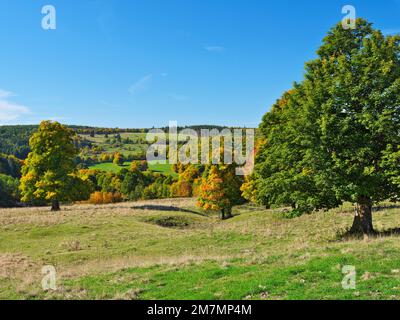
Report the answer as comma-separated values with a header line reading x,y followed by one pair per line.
x,y
143,63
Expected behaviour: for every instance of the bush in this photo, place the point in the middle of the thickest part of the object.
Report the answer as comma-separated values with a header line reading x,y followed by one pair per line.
x,y
170,222
99,197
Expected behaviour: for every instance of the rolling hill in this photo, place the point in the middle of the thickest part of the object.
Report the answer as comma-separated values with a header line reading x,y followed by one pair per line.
x,y
168,249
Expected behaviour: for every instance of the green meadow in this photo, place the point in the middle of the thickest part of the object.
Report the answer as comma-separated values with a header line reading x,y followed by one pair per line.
x,y
169,249
163,168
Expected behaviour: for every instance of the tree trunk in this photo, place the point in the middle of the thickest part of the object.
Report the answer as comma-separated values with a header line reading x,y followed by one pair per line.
x,y
55,205
229,213
226,213
223,214
362,223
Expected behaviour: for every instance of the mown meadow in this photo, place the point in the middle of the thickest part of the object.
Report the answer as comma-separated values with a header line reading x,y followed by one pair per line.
x,y
170,249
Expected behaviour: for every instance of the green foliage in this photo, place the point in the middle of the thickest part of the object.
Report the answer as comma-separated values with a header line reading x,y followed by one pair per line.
x,y
10,165
159,189
119,159
15,140
109,182
335,136
133,185
139,165
9,193
391,164
49,172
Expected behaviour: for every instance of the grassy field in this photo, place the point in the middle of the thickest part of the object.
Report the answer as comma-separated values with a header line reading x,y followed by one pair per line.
x,y
139,146
126,149
153,166
168,249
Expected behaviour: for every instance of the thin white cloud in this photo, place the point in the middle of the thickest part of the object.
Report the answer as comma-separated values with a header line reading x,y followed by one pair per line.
x,y
140,85
5,94
217,49
10,110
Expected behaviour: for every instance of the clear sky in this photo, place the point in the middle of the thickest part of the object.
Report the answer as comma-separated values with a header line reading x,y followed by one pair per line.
x,y
143,63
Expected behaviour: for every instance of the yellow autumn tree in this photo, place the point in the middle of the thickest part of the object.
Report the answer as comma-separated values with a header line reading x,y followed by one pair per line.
x,y
220,190
49,173
119,159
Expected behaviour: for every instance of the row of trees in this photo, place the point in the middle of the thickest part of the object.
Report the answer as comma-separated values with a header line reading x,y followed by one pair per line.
x,y
50,175
14,140
9,191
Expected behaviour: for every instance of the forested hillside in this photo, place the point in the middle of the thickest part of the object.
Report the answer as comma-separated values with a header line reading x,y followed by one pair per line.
x,y
15,140
10,165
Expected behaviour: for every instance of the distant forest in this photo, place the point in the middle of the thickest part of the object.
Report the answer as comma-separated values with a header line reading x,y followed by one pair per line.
x,y
14,140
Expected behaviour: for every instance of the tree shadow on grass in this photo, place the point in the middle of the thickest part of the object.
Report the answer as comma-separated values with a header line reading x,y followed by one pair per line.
x,y
346,235
167,209
383,208
388,233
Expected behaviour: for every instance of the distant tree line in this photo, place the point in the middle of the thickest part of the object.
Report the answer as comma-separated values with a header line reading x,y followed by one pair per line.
x,y
14,140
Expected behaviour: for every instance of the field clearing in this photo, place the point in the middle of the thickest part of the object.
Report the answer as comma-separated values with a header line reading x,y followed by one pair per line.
x,y
169,249
101,138
138,147
153,166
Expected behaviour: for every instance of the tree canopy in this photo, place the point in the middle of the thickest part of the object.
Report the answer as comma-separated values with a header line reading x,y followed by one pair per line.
x,y
220,189
335,136
49,173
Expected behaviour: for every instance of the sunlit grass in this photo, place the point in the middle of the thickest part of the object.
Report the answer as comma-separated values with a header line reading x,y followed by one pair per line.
x,y
153,166
121,252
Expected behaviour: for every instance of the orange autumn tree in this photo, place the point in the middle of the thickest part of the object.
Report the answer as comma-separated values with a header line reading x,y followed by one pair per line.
x,y
185,186
220,190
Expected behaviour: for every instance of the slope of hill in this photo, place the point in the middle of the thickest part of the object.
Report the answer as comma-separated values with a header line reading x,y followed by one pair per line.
x,y
165,169
168,249
14,139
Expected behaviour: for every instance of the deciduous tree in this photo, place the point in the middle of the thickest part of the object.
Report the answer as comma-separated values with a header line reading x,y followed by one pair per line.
x,y
49,173
336,137
220,190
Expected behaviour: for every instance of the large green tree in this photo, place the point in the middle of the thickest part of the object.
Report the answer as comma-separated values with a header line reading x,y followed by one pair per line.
x,y
283,174
49,173
335,137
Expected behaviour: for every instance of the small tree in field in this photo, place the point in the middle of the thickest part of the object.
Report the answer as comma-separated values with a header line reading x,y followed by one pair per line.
x,y
220,190
139,166
119,159
49,173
